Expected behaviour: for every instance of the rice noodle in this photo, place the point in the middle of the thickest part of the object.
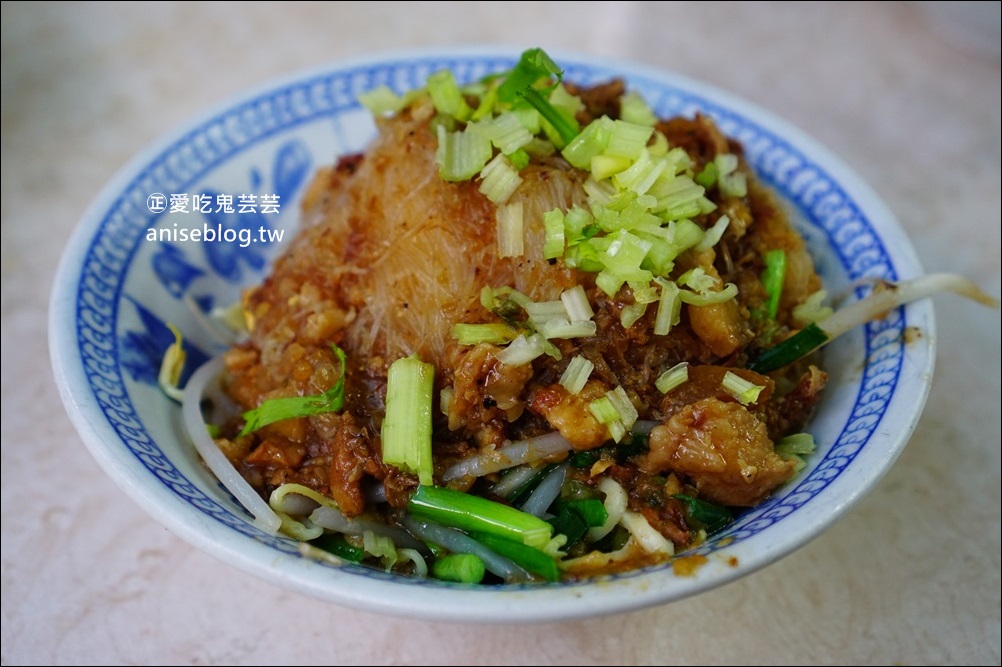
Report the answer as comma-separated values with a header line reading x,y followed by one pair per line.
x,y
204,380
511,454
547,491
461,543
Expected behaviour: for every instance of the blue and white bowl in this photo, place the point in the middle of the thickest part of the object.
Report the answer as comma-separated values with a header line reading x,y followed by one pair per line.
x,y
125,275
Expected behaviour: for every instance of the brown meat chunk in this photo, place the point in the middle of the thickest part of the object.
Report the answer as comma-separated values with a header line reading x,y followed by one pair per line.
x,y
569,413
352,459
707,381
722,448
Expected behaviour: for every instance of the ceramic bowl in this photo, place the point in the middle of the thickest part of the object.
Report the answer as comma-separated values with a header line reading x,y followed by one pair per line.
x,y
117,288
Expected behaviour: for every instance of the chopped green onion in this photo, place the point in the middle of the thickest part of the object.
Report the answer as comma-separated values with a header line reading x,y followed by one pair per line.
x,y
531,559
732,183
708,177
540,312
673,377
522,350
698,280
633,109
447,97
381,101
473,513
565,126
553,223
669,308
624,406
713,235
679,198
500,179
726,163
278,409
702,514
508,133
561,328
462,155
406,430
796,443
709,297
576,304
510,236
589,143
533,65
793,447
605,166
631,313
563,100
628,140
684,234
569,523
520,159
604,410
772,279
462,568
172,366
642,174
744,391
702,283
575,376
591,510
496,333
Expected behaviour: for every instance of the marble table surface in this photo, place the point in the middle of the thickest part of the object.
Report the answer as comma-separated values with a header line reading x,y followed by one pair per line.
x,y
910,575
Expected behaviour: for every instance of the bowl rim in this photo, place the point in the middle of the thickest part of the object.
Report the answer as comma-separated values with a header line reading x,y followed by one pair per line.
x,y
456,602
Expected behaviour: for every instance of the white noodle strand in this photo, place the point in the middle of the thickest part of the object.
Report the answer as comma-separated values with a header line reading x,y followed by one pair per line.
x,y
191,410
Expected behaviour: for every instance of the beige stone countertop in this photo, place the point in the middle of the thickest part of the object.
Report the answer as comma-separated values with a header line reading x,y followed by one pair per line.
x,y
910,575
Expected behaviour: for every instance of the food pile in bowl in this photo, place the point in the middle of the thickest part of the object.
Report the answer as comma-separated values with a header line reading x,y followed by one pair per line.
x,y
532,333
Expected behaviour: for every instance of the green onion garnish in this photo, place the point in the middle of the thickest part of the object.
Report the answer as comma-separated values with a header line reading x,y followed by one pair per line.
x,y
576,374
793,447
462,155
772,278
406,430
277,409
702,514
531,559
473,513
463,568
746,392
499,179
495,333
447,97
673,377
591,510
